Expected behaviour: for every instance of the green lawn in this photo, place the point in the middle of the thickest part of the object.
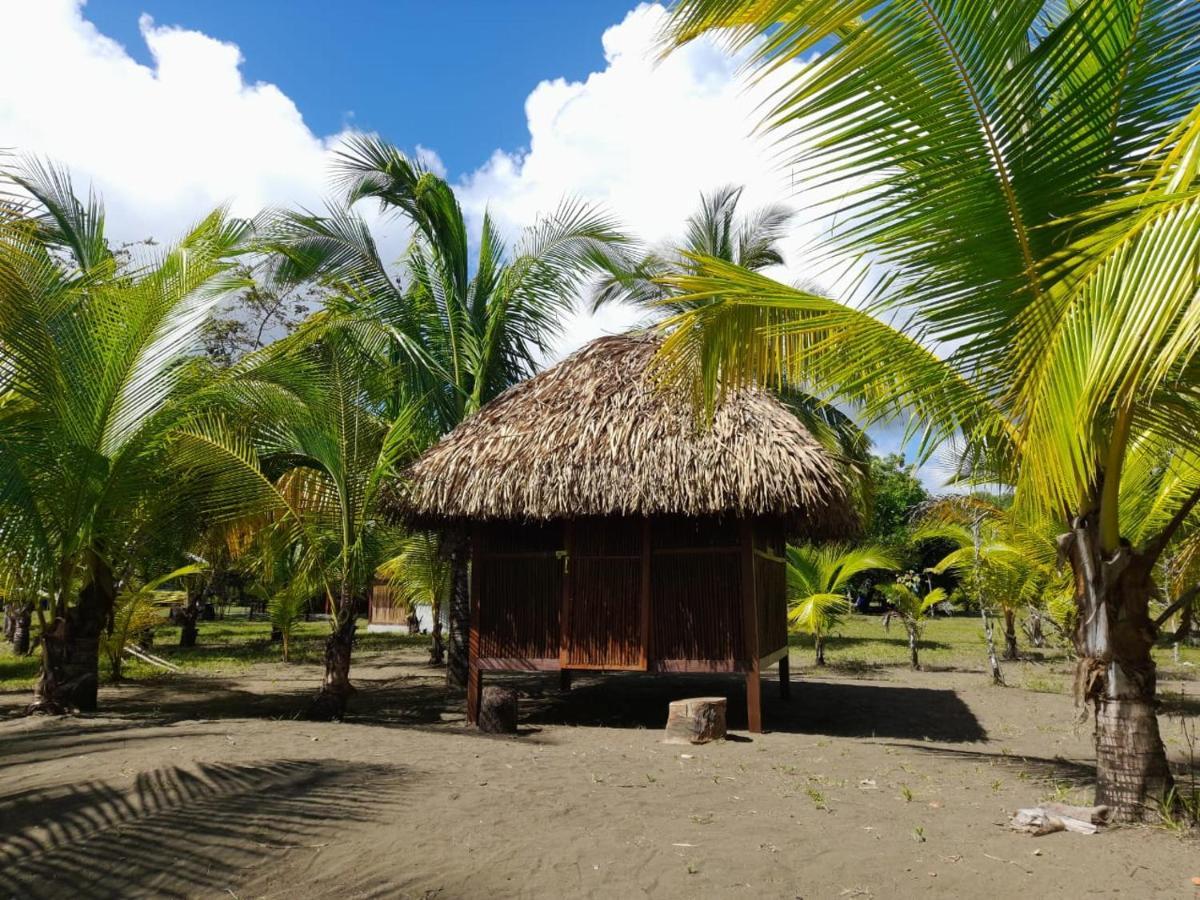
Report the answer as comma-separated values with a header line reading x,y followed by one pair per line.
x,y
858,647
226,645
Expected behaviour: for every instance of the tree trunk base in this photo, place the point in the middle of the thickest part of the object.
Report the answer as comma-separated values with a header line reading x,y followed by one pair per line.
x,y
329,705
696,721
70,678
1132,776
498,711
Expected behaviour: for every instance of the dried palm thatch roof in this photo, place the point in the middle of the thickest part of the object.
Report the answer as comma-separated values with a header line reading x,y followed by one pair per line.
x,y
596,436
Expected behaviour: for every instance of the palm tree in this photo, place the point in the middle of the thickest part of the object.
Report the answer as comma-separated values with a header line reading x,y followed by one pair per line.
x,y
319,455
911,609
752,242
93,381
983,556
1025,176
419,575
452,331
818,579
715,230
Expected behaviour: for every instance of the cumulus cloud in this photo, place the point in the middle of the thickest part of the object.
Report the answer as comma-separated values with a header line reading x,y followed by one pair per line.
x,y
165,143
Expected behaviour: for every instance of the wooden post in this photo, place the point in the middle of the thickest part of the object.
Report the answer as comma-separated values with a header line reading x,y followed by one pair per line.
x,y
564,679
750,629
474,675
564,624
785,684
645,660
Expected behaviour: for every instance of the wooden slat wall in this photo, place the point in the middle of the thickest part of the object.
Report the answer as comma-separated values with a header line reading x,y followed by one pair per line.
x,y
383,611
606,589
695,610
520,593
770,576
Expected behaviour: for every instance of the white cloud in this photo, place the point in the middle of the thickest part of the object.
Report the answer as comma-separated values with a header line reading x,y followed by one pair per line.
x,y
163,144
643,138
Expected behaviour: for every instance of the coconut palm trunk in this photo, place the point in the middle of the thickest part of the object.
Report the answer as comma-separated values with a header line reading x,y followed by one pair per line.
x,y
1116,672
19,625
437,645
189,619
819,645
70,676
330,702
1010,634
914,661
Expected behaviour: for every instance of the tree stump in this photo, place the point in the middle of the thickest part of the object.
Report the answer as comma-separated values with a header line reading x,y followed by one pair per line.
x,y
696,720
498,710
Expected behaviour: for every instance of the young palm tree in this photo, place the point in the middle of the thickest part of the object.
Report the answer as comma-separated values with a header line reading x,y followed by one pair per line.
x,y
419,575
285,610
818,578
1026,175
983,556
319,454
911,609
452,331
92,382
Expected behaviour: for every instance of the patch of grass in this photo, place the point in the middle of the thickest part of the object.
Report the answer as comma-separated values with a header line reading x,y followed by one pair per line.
x,y
17,673
227,646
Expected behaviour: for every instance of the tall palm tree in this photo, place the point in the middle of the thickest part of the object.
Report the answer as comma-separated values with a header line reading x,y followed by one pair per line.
x,y
319,455
454,330
715,230
1025,174
817,581
93,380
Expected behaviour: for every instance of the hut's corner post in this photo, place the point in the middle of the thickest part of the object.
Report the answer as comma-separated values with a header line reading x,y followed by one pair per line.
x,y
785,683
750,630
474,675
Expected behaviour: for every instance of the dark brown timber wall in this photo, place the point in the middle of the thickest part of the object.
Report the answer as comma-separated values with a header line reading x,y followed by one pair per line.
x,y
621,593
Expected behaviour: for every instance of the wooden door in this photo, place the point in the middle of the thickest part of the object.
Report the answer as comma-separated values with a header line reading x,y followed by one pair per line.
x,y
604,621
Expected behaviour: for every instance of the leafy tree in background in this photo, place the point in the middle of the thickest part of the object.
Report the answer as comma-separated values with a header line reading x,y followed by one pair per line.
x,y
1027,175
896,493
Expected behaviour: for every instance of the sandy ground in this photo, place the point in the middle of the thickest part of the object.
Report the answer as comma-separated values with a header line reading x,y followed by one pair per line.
x,y
894,785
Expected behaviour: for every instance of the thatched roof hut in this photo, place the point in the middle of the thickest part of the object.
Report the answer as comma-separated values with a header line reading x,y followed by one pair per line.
x,y
595,435
610,530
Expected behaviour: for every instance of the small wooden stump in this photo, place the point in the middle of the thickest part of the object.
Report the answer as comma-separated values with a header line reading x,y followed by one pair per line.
x,y
498,710
696,720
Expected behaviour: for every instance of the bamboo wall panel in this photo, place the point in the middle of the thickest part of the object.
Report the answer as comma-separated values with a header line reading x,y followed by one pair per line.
x,y
770,578
695,606
605,586
677,532
606,613
519,607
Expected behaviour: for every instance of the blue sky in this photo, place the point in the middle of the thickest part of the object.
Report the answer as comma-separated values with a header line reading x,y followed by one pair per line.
x,y
450,75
